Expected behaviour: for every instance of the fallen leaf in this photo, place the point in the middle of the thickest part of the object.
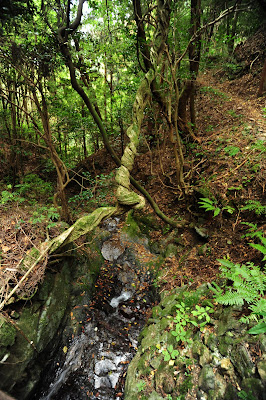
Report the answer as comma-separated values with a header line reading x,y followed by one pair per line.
x,y
5,248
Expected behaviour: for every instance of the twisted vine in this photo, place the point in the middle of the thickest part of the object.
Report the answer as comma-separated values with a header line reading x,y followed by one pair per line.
x,y
126,198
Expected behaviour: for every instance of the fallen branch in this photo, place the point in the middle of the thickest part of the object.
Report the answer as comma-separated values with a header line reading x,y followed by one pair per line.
x,y
23,278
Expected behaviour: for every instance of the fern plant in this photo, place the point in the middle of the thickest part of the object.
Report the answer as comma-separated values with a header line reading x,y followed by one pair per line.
x,y
261,247
255,206
248,285
211,205
253,232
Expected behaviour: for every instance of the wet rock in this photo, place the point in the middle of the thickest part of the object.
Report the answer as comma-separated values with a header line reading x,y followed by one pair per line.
x,y
207,378
127,312
112,249
103,367
113,378
262,369
102,382
37,326
242,361
110,224
124,296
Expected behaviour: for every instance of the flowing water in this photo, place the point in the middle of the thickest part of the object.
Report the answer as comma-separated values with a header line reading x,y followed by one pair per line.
x,y
96,361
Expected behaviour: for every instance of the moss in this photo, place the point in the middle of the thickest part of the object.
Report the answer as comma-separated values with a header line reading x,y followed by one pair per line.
x,y
146,222
225,344
253,387
164,323
7,333
186,385
156,311
143,366
131,227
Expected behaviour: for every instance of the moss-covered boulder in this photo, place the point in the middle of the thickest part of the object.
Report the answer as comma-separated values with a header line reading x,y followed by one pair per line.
x,y
27,343
217,362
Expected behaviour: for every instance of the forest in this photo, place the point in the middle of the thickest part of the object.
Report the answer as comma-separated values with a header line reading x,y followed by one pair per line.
x,y
132,178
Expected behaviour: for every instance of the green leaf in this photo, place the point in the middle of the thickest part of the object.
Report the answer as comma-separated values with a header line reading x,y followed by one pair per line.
x,y
170,348
167,357
205,200
216,211
257,329
259,247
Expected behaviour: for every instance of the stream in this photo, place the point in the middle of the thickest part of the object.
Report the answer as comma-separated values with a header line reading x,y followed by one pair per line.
x,y
96,361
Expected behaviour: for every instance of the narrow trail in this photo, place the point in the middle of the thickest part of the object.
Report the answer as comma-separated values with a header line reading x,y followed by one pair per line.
x,y
238,98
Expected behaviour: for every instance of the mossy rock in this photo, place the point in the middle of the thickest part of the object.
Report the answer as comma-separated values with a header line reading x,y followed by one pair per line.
x,y
207,378
242,361
7,333
131,227
170,251
165,379
146,222
254,387
36,327
154,396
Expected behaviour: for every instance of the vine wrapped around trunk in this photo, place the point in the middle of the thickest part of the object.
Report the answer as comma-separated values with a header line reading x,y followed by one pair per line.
x,y
126,198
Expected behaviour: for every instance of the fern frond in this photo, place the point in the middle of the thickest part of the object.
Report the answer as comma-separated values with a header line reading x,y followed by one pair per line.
x,y
217,290
249,318
247,292
230,299
259,307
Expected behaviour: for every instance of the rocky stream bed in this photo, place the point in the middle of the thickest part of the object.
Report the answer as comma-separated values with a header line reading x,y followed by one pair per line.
x,y
98,329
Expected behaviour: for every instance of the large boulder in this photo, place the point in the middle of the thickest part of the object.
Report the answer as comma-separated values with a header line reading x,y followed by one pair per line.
x,y
30,332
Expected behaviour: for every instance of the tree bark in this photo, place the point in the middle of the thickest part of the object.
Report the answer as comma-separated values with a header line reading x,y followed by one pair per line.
x,y
262,80
142,46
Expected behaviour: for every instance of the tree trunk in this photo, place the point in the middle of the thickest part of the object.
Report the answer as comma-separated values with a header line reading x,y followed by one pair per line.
x,y
62,173
262,80
142,46
194,56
